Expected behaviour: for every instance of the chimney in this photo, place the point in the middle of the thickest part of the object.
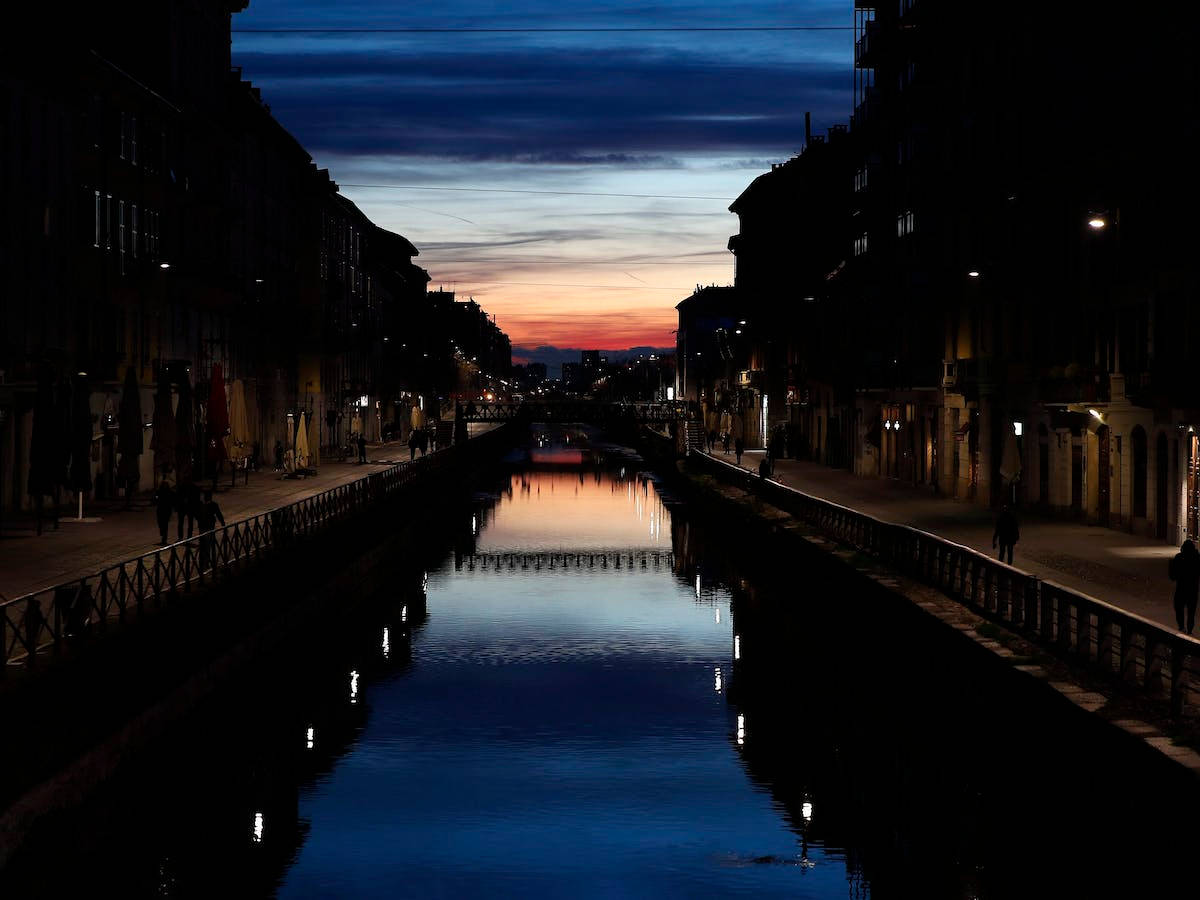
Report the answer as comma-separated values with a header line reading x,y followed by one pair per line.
x,y
807,129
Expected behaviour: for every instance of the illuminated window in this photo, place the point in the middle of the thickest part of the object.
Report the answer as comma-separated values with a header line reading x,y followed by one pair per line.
x,y
860,179
860,244
904,223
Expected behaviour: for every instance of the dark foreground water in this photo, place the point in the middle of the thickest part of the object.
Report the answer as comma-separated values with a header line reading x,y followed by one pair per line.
x,y
707,720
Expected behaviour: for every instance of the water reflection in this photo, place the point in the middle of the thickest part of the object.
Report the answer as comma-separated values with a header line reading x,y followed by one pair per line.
x,y
507,719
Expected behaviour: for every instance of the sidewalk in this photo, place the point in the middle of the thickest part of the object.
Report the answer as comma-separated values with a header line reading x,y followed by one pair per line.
x,y
1123,569
29,562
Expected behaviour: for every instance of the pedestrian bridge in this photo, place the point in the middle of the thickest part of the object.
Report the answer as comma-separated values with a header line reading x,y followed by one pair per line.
x,y
628,560
568,411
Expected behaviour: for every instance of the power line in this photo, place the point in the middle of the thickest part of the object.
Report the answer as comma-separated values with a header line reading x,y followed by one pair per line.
x,y
522,30
423,187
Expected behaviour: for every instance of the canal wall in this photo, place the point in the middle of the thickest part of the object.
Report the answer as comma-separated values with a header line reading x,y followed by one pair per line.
x,y
78,722
1114,709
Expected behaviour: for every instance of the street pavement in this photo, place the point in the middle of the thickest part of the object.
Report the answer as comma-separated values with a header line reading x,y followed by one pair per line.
x,y
1125,570
29,562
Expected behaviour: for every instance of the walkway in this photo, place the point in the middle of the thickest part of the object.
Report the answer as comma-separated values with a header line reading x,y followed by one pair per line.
x,y
1123,569
29,562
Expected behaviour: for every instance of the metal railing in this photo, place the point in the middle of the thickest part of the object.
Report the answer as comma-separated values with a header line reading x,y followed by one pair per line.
x,y
46,621
1124,647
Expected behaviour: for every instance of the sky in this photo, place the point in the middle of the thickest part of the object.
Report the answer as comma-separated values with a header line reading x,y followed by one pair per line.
x,y
496,152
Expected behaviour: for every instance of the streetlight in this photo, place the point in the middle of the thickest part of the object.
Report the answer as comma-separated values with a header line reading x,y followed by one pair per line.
x,y
164,265
1096,223
974,273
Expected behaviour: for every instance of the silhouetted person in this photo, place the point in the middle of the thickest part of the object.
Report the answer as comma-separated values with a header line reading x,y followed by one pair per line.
x,y
764,467
423,441
1007,534
1184,570
739,447
712,440
206,520
187,502
725,441
413,440
165,502
362,448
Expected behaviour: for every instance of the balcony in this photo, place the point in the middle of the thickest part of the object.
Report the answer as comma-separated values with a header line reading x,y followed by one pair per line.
x,y
1073,385
867,46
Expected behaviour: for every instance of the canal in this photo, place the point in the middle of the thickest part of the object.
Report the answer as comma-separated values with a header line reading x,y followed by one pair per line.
x,y
577,688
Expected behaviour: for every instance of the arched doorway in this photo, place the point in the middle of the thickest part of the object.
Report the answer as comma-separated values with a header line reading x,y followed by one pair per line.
x,y
1043,466
1102,475
1162,498
1137,438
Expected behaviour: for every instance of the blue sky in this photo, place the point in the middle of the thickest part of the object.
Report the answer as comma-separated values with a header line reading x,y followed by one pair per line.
x,y
677,114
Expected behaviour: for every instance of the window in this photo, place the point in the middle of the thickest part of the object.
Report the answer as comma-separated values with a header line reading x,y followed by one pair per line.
x,y
99,219
122,138
904,223
860,179
133,139
860,244
133,223
108,221
121,232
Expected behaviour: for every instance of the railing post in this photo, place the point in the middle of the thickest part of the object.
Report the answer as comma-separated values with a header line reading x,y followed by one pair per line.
x,y
1178,678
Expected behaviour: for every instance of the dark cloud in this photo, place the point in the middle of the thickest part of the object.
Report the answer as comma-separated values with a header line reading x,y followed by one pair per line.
x,y
544,105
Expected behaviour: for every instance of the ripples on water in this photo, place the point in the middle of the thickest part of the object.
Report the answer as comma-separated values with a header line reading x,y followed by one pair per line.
x,y
676,730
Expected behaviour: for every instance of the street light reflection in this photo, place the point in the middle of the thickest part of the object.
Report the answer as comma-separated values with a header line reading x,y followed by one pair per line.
x,y
310,737
737,646
806,811
717,681
741,729
258,827
354,686
387,643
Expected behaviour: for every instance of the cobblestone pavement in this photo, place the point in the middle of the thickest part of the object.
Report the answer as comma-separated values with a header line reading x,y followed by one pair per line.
x,y
1120,568
29,562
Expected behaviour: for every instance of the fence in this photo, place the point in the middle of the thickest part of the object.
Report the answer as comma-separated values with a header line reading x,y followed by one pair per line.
x,y
1122,646
46,621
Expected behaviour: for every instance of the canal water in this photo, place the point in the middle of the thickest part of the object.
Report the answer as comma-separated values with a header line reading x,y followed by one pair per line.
x,y
577,689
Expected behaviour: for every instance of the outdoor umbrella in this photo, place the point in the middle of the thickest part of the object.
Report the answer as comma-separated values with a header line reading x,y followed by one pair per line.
x,y
80,438
185,433
129,436
418,417
162,440
356,424
44,451
239,424
314,443
302,442
218,418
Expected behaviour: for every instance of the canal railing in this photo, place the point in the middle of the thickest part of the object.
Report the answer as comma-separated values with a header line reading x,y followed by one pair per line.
x,y
44,622
1123,647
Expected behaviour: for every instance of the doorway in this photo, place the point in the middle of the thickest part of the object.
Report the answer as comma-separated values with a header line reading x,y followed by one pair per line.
x,y
1103,475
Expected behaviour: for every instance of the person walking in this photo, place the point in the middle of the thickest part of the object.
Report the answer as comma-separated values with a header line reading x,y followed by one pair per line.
x,y
165,502
206,520
187,502
423,441
1184,570
362,448
413,440
1007,534
739,447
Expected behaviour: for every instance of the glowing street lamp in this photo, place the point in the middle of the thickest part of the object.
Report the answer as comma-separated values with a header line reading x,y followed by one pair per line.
x,y
1096,223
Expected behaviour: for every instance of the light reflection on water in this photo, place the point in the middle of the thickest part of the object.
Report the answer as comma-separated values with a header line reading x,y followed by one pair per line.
x,y
558,731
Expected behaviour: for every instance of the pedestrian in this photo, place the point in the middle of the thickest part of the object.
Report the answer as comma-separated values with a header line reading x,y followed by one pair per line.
x,y
712,440
413,440
165,502
764,467
423,441
362,448
187,500
1184,570
725,441
739,447
1007,534
206,520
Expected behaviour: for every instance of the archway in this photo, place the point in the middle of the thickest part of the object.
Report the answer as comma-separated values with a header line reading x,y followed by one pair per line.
x,y
1162,492
1137,439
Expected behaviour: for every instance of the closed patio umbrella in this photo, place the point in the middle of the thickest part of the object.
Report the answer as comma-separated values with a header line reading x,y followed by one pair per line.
x,y
45,453
80,438
238,443
314,443
130,442
217,419
302,442
185,433
162,438
418,417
